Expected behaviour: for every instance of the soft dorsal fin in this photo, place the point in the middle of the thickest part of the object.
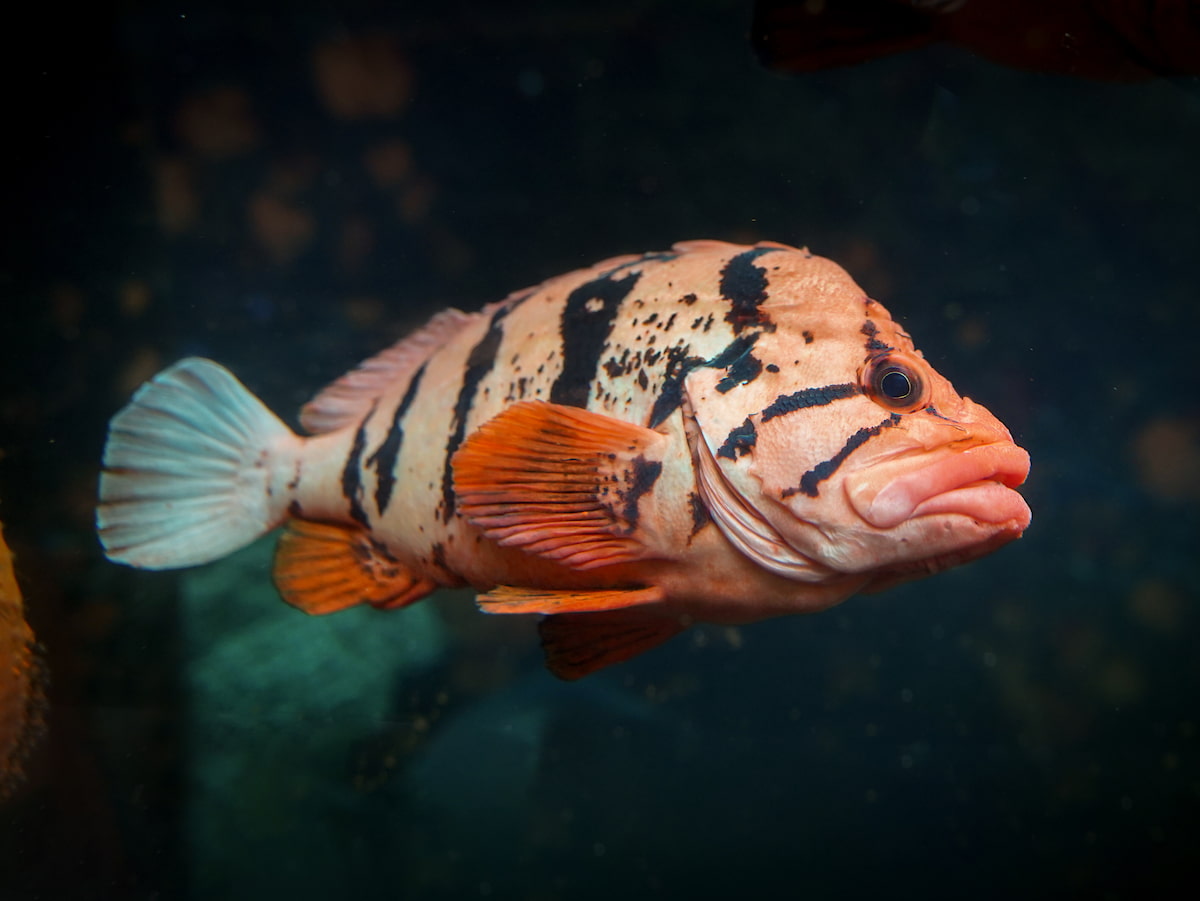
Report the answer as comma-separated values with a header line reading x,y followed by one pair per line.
x,y
560,482
348,399
576,644
323,568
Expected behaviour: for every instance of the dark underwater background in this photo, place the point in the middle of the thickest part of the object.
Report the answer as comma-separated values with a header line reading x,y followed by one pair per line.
x,y
289,187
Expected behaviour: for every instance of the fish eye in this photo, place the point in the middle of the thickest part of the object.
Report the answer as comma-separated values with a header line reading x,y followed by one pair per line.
x,y
894,383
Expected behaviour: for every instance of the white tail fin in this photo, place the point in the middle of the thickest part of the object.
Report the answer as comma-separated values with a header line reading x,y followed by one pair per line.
x,y
188,469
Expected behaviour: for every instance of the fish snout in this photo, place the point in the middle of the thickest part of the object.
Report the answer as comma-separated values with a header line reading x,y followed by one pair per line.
x,y
977,482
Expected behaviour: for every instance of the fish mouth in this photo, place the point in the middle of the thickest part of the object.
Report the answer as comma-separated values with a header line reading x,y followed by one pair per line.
x,y
977,482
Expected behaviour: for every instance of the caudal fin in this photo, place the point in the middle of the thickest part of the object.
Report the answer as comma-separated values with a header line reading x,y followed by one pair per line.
x,y
188,469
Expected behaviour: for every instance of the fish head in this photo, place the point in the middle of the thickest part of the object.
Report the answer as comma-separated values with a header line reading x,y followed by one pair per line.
x,y
850,455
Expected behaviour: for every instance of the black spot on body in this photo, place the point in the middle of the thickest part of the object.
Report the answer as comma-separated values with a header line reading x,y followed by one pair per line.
x,y
810,480
384,458
479,364
808,397
585,327
739,442
771,367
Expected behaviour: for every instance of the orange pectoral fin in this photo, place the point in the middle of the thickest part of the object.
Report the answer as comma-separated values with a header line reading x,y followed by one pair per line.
x,y
576,644
322,568
561,482
508,599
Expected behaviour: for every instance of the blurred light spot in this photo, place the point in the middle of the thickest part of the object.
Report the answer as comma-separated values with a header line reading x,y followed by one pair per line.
x,y
364,312
1157,605
1120,682
1167,456
282,230
355,243
217,123
67,305
138,368
175,197
133,299
388,163
362,77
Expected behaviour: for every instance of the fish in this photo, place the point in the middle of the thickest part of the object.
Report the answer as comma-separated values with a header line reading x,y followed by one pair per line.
x,y
1101,40
22,700
716,433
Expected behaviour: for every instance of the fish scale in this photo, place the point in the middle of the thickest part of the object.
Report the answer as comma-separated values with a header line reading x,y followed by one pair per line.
x,y
714,433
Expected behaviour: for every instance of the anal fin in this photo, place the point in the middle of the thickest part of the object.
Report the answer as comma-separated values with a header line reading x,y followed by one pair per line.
x,y
322,568
576,644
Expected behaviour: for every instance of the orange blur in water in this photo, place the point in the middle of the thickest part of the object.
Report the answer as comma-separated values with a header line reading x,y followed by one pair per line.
x,y
20,693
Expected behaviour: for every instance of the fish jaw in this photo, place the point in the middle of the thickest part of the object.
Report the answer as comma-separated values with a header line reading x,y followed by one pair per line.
x,y
978,482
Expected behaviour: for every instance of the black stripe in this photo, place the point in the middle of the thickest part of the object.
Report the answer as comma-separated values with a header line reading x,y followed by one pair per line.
x,y
808,397
587,320
739,442
384,459
479,363
679,364
742,371
641,481
871,330
699,513
744,285
670,392
823,470
352,486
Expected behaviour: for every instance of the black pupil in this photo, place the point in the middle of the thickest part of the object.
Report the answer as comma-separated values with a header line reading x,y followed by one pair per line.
x,y
895,385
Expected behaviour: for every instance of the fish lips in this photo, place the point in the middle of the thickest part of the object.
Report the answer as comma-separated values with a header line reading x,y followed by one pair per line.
x,y
977,482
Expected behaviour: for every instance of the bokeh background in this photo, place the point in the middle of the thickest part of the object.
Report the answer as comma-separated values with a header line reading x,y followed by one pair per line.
x,y
289,187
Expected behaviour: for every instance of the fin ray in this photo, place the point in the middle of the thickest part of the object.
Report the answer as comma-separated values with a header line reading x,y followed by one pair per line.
x,y
348,399
322,568
187,468
576,644
512,599
560,482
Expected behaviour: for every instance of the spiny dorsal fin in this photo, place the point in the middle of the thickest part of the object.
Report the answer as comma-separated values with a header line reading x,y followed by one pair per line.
x,y
322,568
560,482
576,644
348,399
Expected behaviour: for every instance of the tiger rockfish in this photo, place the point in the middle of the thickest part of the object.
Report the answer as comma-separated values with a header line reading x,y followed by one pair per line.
x,y
716,433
